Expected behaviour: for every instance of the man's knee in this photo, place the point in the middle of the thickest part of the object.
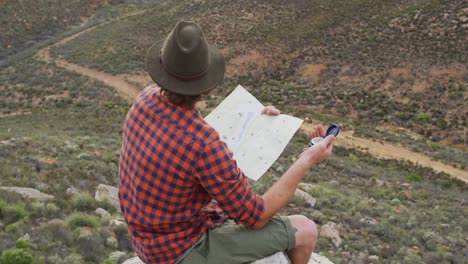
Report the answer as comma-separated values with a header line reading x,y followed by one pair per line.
x,y
306,231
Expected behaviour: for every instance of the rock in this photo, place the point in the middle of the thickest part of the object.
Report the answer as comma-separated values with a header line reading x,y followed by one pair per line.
x,y
465,11
346,255
280,169
330,230
362,258
86,232
29,193
373,259
395,201
110,193
116,256
84,156
135,260
334,182
305,198
71,191
367,222
278,258
102,213
463,19
26,237
406,186
319,259
112,242
117,223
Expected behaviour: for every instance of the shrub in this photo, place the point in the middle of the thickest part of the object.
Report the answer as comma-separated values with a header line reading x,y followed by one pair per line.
x,y
424,117
23,244
413,177
39,209
80,220
17,256
12,213
90,248
73,258
84,202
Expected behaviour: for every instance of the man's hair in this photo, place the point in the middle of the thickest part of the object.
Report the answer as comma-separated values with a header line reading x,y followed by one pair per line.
x,y
180,99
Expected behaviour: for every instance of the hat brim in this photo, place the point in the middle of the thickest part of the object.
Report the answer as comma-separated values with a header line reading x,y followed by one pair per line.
x,y
165,80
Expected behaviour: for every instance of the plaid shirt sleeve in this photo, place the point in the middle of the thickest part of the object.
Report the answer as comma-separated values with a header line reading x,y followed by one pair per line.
x,y
219,175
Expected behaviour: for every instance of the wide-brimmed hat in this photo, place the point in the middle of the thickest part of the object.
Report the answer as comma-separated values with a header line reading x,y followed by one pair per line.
x,y
184,62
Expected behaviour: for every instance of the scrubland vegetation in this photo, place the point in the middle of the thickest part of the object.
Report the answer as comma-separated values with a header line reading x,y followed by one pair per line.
x,y
360,64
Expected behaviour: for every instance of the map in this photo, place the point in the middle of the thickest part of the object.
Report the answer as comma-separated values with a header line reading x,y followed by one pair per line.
x,y
255,139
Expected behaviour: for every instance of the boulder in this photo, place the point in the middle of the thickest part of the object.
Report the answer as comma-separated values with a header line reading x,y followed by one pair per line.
x,y
306,199
330,230
29,193
71,191
278,258
116,256
102,212
110,193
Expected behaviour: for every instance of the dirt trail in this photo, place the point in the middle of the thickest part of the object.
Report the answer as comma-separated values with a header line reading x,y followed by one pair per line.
x,y
346,138
123,88
389,151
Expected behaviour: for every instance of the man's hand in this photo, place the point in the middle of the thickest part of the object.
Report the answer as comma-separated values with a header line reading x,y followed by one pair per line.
x,y
271,111
321,150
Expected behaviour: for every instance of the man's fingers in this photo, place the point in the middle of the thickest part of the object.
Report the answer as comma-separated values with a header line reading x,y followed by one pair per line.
x,y
329,141
270,110
321,131
317,131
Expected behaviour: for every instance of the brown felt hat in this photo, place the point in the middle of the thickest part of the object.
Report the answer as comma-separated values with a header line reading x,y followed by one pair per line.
x,y
185,63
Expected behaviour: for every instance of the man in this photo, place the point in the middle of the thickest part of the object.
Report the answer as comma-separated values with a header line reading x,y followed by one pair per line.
x,y
180,190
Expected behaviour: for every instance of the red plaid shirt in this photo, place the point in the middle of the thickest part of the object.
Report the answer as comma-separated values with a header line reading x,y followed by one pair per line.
x,y
172,166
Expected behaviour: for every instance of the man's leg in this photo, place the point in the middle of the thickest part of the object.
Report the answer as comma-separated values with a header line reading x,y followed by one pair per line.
x,y
306,238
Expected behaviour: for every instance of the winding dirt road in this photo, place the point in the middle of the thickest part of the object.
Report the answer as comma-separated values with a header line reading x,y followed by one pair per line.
x,y
381,150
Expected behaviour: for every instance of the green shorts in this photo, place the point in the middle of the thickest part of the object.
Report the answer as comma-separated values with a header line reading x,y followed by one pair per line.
x,y
233,243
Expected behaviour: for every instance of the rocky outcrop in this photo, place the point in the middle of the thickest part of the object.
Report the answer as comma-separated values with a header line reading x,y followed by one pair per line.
x,y
29,193
110,193
330,230
304,198
278,258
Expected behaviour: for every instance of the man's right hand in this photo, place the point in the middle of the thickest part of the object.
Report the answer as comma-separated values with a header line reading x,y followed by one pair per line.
x,y
319,151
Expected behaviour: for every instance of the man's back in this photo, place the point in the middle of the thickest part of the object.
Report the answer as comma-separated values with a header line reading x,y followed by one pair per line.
x,y
172,164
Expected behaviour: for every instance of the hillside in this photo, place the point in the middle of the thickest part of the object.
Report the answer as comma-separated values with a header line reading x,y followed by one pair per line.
x,y
392,72
25,23
401,63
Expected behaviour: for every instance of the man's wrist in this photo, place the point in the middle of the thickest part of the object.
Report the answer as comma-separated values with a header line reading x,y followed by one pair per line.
x,y
306,161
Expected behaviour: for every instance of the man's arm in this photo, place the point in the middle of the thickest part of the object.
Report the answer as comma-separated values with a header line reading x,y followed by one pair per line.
x,y
281,192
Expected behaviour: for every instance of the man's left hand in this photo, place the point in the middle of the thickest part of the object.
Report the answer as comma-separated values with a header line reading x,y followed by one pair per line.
x,y
271,111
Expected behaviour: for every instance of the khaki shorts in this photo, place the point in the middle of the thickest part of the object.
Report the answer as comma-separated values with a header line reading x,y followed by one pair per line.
x,y
232,243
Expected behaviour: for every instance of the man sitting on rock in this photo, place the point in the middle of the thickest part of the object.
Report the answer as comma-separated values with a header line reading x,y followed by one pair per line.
x,y
180,190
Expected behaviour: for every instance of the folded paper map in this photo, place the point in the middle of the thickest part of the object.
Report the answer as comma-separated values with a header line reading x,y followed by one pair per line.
x,y
255,139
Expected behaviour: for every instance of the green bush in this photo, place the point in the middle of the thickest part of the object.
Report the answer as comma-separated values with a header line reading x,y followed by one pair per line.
x,y
17,256
424,117
84,202
80,220
73,258
23,244
12,213
413,177
39,209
